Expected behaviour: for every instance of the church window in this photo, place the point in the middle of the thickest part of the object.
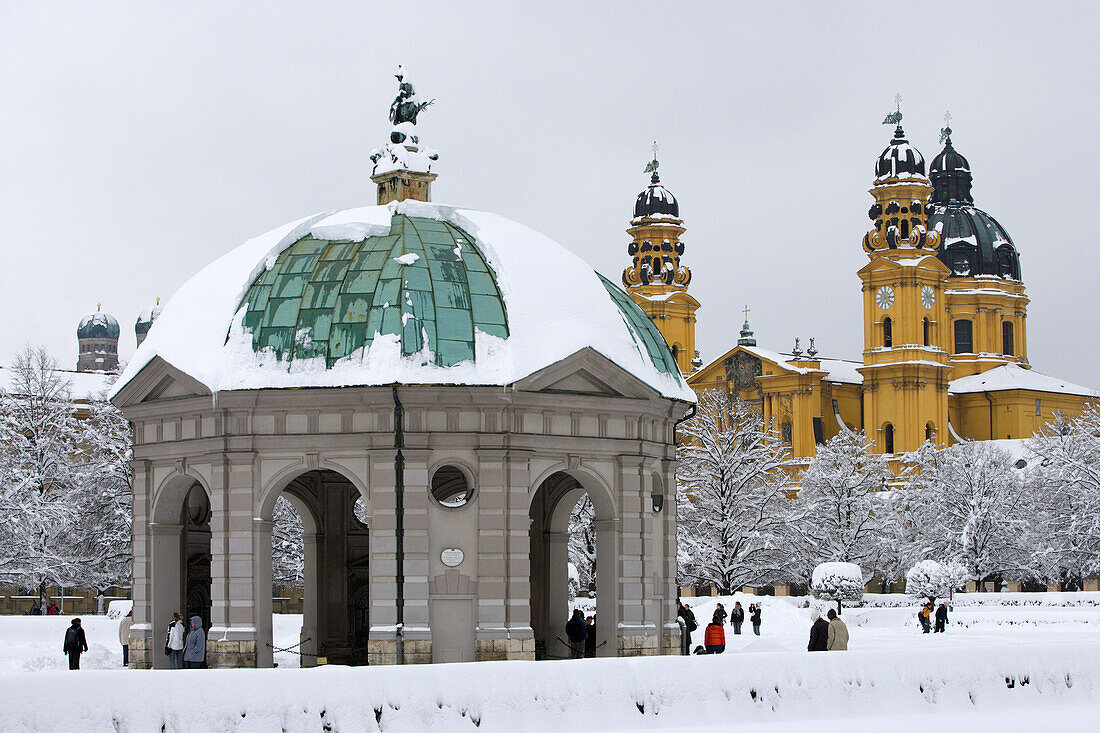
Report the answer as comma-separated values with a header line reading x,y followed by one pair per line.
x,y
964,337
888,438
675,352
786,432
887,332
904,228
929,432
1008,348
1038,408
927,332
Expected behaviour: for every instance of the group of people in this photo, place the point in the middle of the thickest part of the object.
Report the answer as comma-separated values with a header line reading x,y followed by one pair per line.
x,y
714,636
36,609
827,636
185,649
581,633
925,616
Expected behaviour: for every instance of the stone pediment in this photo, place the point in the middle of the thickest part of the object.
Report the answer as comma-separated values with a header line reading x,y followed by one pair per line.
x,y
158,380
587,372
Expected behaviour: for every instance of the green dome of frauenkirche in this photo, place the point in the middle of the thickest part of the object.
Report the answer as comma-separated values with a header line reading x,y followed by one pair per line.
x,y
426,282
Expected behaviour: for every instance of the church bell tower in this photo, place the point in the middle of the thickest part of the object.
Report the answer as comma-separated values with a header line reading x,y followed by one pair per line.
x,y
905,356
655,279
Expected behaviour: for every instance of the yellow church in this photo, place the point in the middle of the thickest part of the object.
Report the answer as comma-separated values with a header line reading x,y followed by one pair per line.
x,y
944,321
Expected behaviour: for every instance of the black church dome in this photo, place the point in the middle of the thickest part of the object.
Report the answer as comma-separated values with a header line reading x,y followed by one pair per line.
x,y
973,242
98,325
656,201
899,159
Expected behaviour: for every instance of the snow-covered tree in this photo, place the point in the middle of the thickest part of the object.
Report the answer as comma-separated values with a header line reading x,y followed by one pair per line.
x,y
971,507
287,550
64,482
930,580
582,544
731,496
840,498
837,581
1065,516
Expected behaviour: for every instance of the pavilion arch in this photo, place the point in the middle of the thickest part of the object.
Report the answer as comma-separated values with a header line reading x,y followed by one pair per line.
x,y
335,558
555,494
180,553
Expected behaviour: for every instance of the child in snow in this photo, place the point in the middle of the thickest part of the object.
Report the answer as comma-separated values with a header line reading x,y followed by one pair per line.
x,y
941,618
714,638
923,615
754,616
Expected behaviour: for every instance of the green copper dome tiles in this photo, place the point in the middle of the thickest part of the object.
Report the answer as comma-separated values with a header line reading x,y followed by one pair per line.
x,y
425,282
642,329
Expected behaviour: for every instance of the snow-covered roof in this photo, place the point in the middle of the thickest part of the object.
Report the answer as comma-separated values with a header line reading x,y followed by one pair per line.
x,y
1013,376
83,385
837,370
556,306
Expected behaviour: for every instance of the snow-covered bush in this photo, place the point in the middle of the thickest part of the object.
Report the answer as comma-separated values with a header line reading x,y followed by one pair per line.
x,y
837,581
930,580
731,501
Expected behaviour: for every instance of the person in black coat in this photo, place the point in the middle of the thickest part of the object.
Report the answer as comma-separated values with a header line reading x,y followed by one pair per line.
x,y
685,613
75,643
737,617
577,634
819,634
754,616
941,618
719,615
590,642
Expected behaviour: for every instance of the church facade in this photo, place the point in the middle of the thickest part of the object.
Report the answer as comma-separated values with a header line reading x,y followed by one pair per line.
x,y
945,353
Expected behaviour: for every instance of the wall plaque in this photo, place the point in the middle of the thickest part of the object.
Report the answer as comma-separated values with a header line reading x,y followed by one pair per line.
x,y
451,557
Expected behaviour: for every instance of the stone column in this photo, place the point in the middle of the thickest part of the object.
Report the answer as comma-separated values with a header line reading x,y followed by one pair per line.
x,y
231,641
636,635
141,632
310,607
261,591
166,580
607,583
382,638
417,632
557,591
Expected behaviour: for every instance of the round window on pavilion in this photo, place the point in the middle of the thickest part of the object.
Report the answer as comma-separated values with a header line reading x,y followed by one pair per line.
x,y
451,487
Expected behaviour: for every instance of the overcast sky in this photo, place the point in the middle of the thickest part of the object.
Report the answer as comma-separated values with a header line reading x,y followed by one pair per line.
x,y
140,141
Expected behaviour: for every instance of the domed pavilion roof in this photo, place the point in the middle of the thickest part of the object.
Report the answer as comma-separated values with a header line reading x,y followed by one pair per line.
x,y
98,325
411,293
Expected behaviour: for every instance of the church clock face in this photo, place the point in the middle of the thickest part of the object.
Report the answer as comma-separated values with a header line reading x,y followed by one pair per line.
x,y
884,297
927,297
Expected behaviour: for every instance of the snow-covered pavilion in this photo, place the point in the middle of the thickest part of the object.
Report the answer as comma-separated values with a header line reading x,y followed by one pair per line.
x,y
432,388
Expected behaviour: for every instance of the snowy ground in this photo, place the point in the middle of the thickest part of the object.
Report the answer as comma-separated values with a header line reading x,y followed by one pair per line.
x,y
893,678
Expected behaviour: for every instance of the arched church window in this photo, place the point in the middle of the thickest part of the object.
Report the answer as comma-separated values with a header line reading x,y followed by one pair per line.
x,y
927,332
1008,338
887,332
888,438
675,351
904,228
786,432
964,337
929,432
451,487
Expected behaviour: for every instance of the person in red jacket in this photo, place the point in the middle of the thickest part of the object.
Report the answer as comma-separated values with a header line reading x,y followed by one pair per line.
x,y
714,638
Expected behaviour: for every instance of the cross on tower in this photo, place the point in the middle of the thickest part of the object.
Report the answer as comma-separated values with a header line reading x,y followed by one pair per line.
x,y
947,117
655,150
746,312
897,101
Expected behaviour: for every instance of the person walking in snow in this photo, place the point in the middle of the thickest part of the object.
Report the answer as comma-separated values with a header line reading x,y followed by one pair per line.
x,y
194,647
819,633
685,613
124,636
737,617
838,633
590,641
75,643
923,615
754,616
577,635
173,644
714,638
719,615
941,618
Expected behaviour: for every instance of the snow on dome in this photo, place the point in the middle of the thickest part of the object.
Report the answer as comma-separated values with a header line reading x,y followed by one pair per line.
x,y
656,202
899,160
147,316
98,325
1013,376
554,306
